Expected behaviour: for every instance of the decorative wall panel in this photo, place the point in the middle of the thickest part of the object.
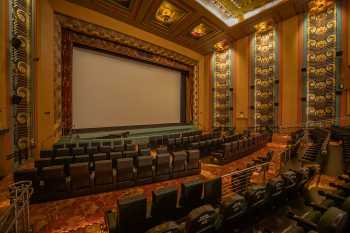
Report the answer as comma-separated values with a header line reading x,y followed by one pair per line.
x,y
264,97
222,89
21,75
320,58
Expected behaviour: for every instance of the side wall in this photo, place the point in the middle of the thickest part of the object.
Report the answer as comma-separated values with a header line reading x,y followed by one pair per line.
x,y
5,108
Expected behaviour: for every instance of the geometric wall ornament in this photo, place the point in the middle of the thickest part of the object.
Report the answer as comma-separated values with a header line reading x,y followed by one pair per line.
x,y
264,94
21,37
320,80
222,88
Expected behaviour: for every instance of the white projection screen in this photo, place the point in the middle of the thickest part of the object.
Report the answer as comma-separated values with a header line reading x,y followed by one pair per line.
x,y
112,91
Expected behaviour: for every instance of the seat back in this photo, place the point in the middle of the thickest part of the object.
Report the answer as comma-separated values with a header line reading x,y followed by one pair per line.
x,y
166,227
164,203
80,176
132,214
213,191
54,178
103,172
233,206
163,164
201,220
144,166
191,194
125,168
179,161
193,159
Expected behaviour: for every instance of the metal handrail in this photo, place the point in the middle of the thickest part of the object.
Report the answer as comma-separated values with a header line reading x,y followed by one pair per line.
x,y
17,217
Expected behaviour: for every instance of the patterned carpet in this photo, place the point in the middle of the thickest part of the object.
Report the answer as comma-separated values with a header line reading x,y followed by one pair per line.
x,y
86,214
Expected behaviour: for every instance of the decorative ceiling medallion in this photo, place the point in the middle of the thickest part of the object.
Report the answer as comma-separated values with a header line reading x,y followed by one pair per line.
x,y
200,30
263,26
123,3
232,12
316,6
168,14
221,46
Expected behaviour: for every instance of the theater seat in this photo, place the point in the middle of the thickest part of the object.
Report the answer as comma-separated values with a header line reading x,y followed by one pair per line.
x,y
129,154
146,151
92,150
125,172
213,191
81,159
104,180
132,214
162,167
201,220
117,148
179,159
164,204
233,207
62,152
166,227
80,178
105,149
224,153
115,155
99,156
78,151
54,178
162,150
144,167
191,195
256,196
193,164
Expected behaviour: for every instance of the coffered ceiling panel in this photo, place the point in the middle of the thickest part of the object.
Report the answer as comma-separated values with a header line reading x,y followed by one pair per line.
x,y
196,24
166,16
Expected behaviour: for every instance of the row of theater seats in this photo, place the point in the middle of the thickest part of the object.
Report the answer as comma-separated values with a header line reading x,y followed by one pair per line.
x,y
103,174
201,208
329,213
116,145
236,149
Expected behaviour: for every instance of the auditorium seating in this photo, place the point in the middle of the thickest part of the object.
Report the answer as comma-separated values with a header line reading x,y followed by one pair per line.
x,y
233,150
103,175
164,204
144,167
179,163
125,172
104,165
80,178
132,214
191,194
203,208
163,167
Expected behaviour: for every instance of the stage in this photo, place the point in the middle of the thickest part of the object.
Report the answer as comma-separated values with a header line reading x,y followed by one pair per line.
x,y
134,133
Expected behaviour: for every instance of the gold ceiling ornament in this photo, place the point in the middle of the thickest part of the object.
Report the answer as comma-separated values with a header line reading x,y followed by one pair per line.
x,y
221,46
237,8
199,31
263,26
317,6
167,13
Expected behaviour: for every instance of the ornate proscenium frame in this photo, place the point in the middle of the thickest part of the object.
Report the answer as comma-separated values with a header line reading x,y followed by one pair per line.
x,y
75,32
